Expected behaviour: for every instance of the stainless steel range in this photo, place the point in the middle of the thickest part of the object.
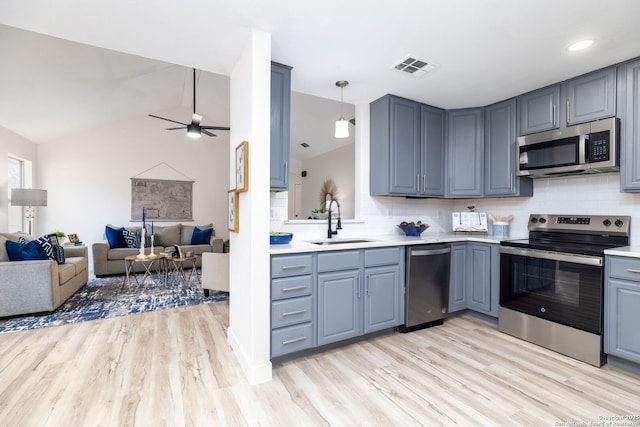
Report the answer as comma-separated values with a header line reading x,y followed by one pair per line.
x,y
551,285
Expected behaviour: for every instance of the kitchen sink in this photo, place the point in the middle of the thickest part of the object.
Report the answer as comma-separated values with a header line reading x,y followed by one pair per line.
x,y
338,241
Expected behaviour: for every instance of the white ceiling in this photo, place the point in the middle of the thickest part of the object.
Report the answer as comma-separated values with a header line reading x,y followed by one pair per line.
x,y
487,50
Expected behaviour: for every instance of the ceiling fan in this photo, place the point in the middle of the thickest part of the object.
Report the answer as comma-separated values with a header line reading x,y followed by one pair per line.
x,y
194,129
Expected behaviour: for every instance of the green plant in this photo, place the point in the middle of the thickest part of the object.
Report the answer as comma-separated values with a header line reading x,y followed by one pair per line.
x,y
320,210
225,246
59,234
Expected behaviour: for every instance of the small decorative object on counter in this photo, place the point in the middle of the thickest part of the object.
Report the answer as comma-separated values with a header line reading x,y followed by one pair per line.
x,y
412,228
279,238
500,225
321,213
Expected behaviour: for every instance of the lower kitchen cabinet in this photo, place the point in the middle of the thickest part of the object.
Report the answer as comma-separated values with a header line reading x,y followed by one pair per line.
x,y
475,278
339,306
622,308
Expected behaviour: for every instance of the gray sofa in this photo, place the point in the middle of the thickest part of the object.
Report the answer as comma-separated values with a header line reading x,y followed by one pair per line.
x,y
109,261
40,286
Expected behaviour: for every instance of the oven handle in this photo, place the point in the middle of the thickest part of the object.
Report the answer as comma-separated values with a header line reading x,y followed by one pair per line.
x,y
553,256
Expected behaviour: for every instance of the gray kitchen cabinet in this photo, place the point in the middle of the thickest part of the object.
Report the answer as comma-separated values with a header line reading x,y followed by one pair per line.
x,y
465,156
629,83
590,97
622,308
538,110
500,152
474,282
280,126
292,304
406,141
359,292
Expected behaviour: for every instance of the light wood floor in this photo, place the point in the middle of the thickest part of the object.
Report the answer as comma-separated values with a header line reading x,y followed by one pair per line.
x,y
174,368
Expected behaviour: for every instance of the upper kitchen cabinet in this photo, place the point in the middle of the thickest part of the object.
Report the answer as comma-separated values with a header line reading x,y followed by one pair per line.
x,y
579,100
590,97
500,152
465,157
406,148
630,126
280,125
538,110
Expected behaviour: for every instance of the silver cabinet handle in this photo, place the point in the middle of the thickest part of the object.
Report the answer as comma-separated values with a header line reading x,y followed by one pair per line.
x,y
286,172
358,288
292,267
568,109
418,183
368,284
293,313
424,183
555,115
285,342
294,288
633,270
513,180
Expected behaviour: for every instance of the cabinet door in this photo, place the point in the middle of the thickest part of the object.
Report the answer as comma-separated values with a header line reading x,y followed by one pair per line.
x,y
280,125
500,152
622,335
538,110
339,306
591,97
465,152
479,278
457,284
382,298
630,132
432,151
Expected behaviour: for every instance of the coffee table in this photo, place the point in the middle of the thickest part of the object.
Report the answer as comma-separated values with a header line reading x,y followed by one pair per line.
x,y
176,265
147,261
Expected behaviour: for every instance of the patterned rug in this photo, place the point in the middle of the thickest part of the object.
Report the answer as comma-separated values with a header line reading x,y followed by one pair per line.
x,y
110,297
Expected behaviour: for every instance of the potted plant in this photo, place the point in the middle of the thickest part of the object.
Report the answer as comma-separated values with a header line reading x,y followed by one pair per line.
x,y
320,213
225,246
60,235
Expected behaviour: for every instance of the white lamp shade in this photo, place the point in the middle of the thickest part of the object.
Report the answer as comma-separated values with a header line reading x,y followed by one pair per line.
x,y
342,128
28,197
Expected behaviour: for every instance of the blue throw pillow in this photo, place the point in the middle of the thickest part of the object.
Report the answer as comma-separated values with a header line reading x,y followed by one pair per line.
x,y
115,237
201,237
25,251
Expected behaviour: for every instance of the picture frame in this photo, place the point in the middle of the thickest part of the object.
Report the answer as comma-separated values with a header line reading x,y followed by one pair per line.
x,y
73,238
242,166
232,210
53,238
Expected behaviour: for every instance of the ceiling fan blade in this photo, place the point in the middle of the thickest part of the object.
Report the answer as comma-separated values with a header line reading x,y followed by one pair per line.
x,y
215,127
169,120
180,128
206,132
196,119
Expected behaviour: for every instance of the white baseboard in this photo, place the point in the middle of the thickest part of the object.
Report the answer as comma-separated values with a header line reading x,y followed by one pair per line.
x,y
256,374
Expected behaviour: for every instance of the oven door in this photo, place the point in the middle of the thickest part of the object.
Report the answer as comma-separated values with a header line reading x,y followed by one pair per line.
x,y
559,287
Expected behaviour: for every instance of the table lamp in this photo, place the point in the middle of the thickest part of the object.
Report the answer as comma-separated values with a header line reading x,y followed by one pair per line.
x,y
30,198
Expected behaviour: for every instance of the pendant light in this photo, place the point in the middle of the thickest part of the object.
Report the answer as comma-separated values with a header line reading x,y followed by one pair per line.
x,y
342,125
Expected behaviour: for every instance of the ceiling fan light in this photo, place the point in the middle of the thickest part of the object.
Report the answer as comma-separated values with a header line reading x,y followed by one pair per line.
x,y
193,131
342,128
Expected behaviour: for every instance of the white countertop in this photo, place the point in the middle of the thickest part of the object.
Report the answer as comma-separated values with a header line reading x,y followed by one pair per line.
x,y
305,245
628,251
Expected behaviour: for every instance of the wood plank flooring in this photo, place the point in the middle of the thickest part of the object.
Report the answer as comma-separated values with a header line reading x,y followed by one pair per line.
x,y
175,368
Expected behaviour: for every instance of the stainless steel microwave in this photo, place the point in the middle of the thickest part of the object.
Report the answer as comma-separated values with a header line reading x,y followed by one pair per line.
x,y
586,148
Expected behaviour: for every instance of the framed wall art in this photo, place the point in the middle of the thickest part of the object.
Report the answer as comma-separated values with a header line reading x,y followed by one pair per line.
x,y
242,166
232,210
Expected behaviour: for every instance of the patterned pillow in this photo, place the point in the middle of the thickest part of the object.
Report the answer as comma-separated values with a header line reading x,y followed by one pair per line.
x,y
130,238
58,254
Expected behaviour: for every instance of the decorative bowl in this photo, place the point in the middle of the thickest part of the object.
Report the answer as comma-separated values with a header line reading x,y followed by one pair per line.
x,y
413,229
320,215
280,238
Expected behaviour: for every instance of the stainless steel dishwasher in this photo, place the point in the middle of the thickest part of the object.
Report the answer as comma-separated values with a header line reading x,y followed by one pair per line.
x,y
427,286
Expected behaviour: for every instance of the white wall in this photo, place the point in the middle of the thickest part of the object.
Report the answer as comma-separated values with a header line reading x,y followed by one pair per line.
x,y
88,176
19,147
249,305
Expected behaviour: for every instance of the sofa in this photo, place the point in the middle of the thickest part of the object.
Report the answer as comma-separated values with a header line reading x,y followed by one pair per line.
x,y
108,260
40,285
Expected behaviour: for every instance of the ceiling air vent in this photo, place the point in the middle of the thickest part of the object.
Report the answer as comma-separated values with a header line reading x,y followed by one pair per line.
x,y
413,66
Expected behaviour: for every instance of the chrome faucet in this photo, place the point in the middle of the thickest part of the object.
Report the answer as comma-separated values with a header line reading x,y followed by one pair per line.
x,y
331,232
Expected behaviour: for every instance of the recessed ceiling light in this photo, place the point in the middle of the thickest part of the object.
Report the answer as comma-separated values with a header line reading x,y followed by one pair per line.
x,y
583,44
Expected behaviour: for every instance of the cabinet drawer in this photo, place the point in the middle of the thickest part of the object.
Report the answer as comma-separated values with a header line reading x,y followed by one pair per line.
x,y
382,256
293,265
291,311
625,268
342,260
291,339
289,287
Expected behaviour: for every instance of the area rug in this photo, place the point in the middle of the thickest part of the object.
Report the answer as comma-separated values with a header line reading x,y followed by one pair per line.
x,y
111,297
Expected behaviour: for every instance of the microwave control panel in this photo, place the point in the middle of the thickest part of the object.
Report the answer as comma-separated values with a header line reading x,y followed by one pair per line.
x,y
598,147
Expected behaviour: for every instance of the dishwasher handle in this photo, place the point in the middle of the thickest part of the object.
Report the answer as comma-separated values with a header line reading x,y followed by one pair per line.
x,y
428,252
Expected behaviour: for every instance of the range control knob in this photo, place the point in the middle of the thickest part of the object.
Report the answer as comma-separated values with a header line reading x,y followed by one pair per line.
x,y
618,223
542,220
534,220
606,222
